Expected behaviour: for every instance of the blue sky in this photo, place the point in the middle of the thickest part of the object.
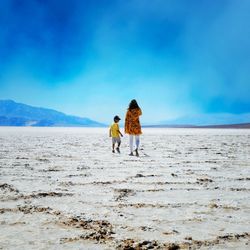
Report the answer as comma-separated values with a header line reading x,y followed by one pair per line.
x,y
90,58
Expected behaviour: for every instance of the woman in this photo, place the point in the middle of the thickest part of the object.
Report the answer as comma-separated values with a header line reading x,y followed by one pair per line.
x,y
133,126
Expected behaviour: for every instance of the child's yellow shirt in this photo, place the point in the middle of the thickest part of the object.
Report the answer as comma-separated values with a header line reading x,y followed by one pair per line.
x,y
114,130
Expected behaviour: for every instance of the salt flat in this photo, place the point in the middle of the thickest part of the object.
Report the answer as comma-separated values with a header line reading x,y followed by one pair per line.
x,y
63,188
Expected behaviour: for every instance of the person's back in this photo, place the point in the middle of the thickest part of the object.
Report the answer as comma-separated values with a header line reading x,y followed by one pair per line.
x,y
114,130
132,122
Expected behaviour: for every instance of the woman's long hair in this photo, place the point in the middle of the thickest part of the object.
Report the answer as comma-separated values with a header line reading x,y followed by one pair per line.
x,y
133,105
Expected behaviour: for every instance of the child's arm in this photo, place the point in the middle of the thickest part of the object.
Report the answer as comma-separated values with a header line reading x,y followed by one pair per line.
x,y
120,133
118,130
110,132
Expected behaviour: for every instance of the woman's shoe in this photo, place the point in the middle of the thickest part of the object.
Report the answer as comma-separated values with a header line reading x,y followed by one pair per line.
x,y
136,152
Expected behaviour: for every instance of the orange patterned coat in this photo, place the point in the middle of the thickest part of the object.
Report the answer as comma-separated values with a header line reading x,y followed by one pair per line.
x,y
132,122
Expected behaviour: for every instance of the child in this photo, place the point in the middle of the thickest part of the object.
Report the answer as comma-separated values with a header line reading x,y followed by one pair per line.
x,y
115,133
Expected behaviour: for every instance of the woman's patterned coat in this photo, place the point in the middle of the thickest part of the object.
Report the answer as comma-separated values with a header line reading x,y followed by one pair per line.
x,y
132,122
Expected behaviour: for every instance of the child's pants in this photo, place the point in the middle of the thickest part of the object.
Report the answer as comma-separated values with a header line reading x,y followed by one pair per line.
x,y
137,142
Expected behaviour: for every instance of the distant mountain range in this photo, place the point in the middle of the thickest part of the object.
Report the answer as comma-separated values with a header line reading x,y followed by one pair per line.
x,y
18,114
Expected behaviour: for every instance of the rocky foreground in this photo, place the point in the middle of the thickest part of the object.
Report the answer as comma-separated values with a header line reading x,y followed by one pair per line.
x,y
63,188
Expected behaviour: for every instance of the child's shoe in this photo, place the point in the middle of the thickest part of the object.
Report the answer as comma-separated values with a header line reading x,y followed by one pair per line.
x,y
113,151
118,150
131,154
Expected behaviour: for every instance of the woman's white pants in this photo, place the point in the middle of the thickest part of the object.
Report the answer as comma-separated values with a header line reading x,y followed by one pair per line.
x,y
131,142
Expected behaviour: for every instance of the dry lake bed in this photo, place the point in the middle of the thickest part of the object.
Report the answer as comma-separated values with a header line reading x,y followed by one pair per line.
x,y
63,188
